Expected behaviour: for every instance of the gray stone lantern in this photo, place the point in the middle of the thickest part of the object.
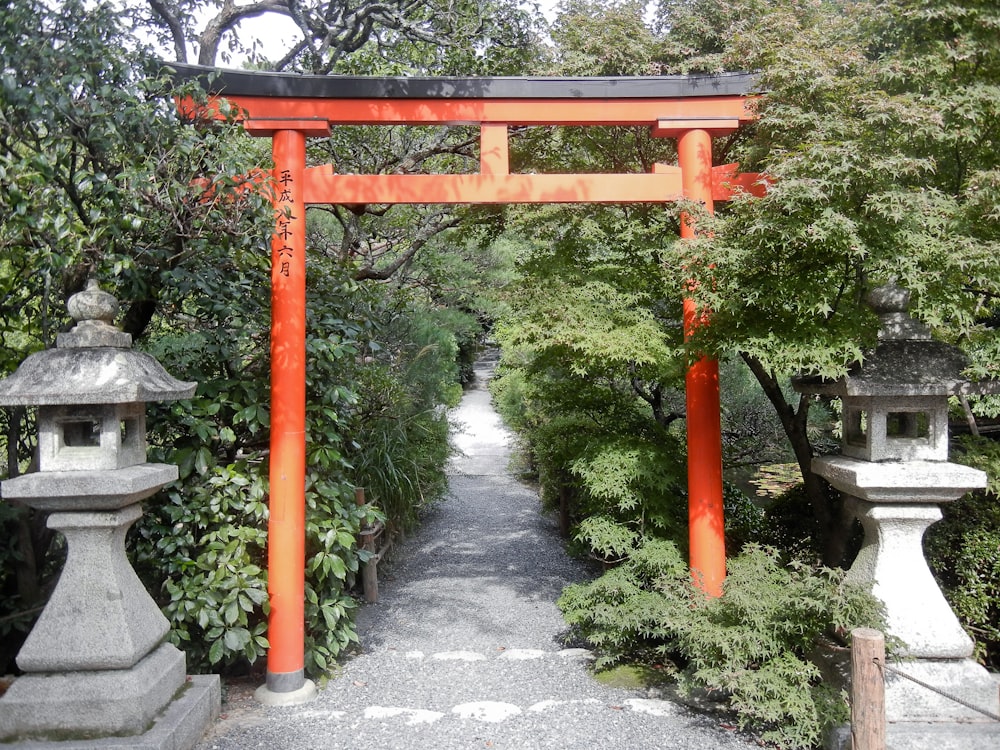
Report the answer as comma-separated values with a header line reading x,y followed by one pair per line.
x,y
894,470
96,662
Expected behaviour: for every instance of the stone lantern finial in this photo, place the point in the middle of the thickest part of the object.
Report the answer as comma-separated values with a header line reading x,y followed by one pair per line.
x,y
94,311
891,303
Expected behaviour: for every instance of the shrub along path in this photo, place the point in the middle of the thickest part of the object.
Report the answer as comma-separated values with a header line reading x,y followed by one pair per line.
x,y
464,648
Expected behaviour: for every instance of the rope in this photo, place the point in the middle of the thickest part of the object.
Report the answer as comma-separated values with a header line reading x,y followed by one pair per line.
x,y
947,695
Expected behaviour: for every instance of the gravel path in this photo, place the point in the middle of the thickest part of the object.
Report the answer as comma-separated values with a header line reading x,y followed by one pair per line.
x,y
463,649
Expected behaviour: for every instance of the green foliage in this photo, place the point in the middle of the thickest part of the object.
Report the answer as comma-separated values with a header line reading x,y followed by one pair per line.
x,y
410,374
620,44
205,550
874,133
751,646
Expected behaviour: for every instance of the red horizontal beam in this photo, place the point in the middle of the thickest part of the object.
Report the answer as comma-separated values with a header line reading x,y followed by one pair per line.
x,y
727,182
322,186
647,112
312,126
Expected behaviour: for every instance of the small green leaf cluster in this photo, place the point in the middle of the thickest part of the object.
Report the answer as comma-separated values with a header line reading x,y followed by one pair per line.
x,y
750,648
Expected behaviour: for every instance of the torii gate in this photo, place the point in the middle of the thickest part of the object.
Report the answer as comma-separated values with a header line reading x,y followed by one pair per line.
x,y
290,108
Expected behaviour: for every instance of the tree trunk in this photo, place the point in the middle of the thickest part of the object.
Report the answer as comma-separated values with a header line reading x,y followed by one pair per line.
x,y
138,316
833,520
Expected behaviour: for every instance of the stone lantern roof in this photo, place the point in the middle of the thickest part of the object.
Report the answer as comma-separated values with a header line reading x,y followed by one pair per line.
x,y
94,363
906,361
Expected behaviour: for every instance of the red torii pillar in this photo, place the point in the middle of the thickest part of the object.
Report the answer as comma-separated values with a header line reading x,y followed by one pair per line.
x,y
706,521
703,183
286,682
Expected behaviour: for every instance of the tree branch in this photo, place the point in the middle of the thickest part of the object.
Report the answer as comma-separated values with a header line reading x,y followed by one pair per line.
x,y
227,19
386,272
173,24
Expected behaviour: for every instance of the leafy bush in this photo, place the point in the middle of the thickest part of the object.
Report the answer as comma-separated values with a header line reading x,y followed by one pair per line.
x,y
750,646
201,552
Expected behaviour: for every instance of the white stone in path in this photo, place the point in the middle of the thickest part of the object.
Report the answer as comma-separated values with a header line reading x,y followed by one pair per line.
x,y
583,654
549,704
489,711
652,706
523,654
412,716
458,656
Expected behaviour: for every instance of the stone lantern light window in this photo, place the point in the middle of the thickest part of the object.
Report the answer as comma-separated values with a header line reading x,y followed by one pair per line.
x,y
100,436
893,429
895,403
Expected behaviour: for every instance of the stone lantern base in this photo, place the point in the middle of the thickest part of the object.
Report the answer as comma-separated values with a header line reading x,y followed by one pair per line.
x,y
105,702
97,668
178,726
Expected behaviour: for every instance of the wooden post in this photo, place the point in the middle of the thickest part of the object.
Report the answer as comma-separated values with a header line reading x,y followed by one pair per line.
x,y
369,570
369,573
564,510
867,689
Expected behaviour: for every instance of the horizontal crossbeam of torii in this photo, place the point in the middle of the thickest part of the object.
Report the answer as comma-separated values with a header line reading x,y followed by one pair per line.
x,y
290,108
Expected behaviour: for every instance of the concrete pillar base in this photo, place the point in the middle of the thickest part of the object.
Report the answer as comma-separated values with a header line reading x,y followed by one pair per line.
x,y
304,694
906,701
922,735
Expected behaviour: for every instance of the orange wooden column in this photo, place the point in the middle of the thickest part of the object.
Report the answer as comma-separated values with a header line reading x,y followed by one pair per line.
x,y
286,523
704,430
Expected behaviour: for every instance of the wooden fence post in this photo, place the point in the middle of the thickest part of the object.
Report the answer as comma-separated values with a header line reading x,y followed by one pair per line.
x,y
867,689
369,570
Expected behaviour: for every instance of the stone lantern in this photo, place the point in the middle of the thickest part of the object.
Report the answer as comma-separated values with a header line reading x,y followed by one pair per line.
x,y
894,470
96,663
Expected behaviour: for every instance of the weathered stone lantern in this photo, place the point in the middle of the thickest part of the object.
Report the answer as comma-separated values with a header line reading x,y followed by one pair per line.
x,y
894,469
96,663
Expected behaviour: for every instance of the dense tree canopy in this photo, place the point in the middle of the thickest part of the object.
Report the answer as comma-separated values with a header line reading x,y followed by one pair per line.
x,y
878,130
366,37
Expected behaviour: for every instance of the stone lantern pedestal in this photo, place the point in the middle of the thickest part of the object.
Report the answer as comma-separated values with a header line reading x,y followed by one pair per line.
x,y
895,472
896,508
97,669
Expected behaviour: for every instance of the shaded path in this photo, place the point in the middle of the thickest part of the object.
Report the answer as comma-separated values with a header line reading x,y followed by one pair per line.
x,y
463,650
